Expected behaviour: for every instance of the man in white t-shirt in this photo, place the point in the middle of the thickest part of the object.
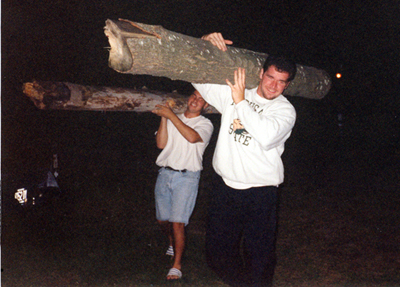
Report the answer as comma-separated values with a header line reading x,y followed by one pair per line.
x,y
255,124
183,139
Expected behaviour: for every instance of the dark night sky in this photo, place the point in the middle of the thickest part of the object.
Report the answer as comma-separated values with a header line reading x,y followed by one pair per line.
x,y
64,41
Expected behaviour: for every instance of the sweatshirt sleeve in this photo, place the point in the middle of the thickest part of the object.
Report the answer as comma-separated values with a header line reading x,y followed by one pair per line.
x,y
271,127
217,96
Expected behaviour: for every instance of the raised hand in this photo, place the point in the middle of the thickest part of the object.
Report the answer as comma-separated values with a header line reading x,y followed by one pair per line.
x,y
239,86
217,40
163,111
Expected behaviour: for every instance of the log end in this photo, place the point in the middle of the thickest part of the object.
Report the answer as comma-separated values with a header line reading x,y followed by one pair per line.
x,y
46,95
117,32
310,82
120,58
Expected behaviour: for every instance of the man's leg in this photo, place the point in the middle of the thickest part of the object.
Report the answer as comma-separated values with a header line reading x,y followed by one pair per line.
x,y
163,202
163,198
184,193
167,228
176,235
179,246
260,234
224,234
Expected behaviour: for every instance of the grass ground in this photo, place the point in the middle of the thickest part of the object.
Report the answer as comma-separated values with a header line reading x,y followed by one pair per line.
x,y
339,218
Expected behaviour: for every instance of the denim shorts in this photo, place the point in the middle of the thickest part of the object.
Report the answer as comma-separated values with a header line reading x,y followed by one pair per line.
x,y
175,195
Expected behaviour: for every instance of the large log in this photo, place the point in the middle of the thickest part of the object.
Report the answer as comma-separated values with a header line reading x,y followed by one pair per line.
x,y
68,96
138,48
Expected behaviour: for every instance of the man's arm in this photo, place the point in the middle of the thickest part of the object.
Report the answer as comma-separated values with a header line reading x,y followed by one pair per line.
x,y
239,76
187,132
215,95
162,134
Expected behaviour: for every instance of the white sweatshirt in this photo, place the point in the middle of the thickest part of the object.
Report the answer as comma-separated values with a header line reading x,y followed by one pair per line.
x,y
251,137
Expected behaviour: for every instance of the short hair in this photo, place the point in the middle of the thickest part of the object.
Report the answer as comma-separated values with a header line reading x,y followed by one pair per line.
x,y
190,91
282,64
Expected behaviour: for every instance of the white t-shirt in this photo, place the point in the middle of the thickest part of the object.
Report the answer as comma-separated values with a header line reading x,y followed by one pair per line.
x,y
179,153
251,137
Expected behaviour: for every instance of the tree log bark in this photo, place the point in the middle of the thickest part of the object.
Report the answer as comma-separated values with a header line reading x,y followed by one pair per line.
x,y
67,96
138,48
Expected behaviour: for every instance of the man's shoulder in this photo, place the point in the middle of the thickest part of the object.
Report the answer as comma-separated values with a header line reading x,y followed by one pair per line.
x,y
285,106
282,100
204,119
199,119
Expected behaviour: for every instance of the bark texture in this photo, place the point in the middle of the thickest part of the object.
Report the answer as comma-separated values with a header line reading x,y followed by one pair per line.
x,y
138,48
67,96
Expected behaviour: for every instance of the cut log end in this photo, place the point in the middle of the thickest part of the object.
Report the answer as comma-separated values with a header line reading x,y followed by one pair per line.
x,y
45,94
117,32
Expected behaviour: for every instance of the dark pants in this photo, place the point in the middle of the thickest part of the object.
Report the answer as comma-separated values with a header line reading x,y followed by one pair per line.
x,y
241,232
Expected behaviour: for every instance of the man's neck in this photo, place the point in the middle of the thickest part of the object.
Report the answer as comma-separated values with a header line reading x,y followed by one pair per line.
x,y
190,115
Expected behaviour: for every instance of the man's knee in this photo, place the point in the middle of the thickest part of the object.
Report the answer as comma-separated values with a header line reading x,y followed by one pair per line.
x,y
178,226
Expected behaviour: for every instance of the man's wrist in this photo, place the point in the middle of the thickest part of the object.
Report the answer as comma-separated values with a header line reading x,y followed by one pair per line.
x,y
237,103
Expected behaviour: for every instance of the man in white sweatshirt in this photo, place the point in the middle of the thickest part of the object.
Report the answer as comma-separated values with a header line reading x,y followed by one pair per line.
x,y
255,124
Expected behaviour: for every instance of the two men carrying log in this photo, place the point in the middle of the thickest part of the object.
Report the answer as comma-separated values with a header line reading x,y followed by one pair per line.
x,y
254,127
256,121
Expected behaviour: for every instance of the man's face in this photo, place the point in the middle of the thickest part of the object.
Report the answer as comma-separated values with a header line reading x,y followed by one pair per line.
x,y
196,103
272,83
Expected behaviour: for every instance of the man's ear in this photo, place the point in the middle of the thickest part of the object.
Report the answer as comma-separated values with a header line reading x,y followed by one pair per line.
x,y
287,85
261,73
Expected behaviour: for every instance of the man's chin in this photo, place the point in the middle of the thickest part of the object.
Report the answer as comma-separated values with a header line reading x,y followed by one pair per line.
x,y
269,95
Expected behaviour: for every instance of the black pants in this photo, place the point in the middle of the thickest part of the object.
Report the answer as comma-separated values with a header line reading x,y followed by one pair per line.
x,y
241,232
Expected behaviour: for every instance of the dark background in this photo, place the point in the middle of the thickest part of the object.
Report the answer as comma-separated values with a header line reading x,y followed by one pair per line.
x,y
64,41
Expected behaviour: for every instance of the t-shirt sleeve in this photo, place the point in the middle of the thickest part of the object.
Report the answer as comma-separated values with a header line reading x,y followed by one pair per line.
x,y
205,129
